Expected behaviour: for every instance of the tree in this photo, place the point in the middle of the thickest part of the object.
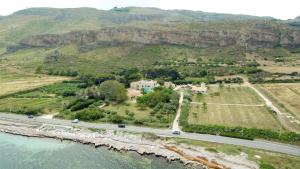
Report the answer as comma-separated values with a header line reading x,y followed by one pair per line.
x,y
112,90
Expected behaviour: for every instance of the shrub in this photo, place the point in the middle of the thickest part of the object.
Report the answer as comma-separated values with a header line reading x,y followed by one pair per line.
x,y
90,114
116,119
81,104
266,166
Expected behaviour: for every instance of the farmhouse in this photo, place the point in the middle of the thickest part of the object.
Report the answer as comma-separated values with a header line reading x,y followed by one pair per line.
x,y
144,84
199,89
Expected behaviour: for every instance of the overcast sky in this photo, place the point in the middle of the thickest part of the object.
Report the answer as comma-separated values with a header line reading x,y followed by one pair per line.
x,y
282,9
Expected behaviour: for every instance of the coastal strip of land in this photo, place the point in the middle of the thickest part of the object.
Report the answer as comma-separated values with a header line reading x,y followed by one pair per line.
x,y
257,144
142,143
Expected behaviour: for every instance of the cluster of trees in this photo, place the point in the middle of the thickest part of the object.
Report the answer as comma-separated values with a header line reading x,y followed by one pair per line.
x,y
207,79
163,101
110,91
93,114
71,73
80,104
162,73
230,80
96,79
245,133
254,80
130,75
85,105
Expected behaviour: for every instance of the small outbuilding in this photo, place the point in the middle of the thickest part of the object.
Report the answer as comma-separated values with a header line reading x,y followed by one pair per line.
x,y
199,89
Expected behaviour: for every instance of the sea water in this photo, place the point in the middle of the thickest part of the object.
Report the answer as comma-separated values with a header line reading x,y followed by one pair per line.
x,y
19,152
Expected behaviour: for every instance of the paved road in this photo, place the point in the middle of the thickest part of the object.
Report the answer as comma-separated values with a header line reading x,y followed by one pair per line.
x,y
270,146
175,126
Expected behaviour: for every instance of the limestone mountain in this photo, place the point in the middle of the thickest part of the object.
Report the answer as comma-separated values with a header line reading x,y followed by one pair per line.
x,y
91,40
37,21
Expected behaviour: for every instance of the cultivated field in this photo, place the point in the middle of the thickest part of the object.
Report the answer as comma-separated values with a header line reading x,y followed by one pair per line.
x,y
14,81
286,95
281,69
231,106
45,105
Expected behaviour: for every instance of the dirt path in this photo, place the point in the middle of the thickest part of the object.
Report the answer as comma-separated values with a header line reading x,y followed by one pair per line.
x,y
246,105
175,126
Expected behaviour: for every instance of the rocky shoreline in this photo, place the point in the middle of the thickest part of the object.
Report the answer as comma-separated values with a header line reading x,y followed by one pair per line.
x,y
144,144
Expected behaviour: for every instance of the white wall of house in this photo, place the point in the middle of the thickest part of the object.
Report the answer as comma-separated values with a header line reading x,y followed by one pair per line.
x,y
144,84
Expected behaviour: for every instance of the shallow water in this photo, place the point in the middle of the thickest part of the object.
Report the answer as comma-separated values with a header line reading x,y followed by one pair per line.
x,y
18,152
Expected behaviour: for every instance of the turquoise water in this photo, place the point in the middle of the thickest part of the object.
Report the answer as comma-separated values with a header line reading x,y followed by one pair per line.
x,y
18,152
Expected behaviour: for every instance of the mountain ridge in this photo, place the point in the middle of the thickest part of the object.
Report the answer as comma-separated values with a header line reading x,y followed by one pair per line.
x,y
183,27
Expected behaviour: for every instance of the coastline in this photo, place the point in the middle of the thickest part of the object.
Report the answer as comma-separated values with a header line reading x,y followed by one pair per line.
x,y
143,144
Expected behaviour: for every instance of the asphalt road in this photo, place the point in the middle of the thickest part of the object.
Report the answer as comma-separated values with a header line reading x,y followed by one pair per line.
x,y
258,144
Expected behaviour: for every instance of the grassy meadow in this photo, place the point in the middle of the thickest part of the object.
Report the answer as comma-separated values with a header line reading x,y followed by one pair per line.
x,y
277,60
231,106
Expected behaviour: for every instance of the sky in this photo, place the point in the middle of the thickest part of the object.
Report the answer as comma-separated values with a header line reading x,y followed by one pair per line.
x,y
281,9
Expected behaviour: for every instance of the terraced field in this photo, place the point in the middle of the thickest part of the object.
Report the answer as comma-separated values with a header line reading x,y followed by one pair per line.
x,y
231,106
13,81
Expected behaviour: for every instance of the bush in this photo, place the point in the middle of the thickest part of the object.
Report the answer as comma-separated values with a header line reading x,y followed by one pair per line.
x,y
266,166
116,119
138,122
81,104
90,114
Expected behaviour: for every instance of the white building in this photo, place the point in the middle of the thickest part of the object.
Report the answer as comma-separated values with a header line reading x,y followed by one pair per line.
x,y
199,89
169,85
150,84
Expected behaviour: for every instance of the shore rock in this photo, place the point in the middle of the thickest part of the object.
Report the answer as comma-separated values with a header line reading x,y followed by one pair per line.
x,y
196,157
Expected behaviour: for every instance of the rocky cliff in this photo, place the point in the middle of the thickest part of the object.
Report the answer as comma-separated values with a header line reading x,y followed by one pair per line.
x,y
250,39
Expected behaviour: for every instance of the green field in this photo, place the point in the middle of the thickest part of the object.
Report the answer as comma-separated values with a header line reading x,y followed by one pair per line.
x,y
231,106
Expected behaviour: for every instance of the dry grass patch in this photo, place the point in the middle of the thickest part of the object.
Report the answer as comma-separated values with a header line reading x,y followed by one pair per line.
x,y
281,69
11,82
285,94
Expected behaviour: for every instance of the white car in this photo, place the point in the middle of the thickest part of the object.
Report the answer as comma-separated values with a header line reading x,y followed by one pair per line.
x,y
75,121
